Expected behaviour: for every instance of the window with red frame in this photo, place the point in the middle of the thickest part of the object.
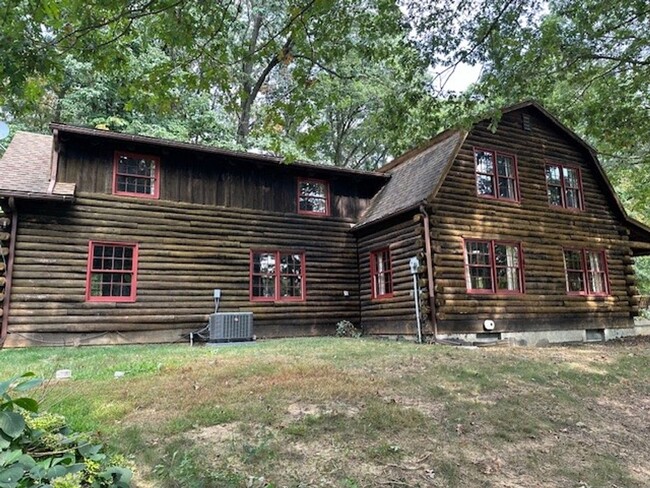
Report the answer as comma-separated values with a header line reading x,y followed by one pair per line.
x,y
564,186
493,267
313,197
586,272
277,276
136,175
381,273
112,272
496,175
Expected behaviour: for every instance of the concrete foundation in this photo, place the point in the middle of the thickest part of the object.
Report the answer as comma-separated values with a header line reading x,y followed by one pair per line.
x,y
544,338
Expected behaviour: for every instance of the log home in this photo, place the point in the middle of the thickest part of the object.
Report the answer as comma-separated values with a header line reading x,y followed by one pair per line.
x,y
116,238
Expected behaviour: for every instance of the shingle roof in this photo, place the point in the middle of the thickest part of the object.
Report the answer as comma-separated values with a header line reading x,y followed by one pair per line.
x,y
25,168
414,177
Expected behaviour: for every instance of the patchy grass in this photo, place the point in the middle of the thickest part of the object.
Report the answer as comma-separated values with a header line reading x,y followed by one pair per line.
x,y
359,413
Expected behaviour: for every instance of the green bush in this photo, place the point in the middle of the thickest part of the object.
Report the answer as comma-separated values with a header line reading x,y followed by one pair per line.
x,y
39,449
345,328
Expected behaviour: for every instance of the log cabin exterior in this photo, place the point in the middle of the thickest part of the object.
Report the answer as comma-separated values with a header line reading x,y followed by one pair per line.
x,y
114,238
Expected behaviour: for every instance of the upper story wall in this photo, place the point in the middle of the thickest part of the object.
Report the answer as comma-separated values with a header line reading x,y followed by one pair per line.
x,y
211,179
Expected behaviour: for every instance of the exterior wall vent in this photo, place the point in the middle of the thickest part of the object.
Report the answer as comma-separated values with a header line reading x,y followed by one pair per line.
x,y
525,122
231,327
595,335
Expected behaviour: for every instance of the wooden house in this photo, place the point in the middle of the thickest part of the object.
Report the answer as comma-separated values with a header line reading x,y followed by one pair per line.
x,y
116,238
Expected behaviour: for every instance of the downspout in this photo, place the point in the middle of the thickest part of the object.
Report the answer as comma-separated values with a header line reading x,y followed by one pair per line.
x,y
9,273
429,260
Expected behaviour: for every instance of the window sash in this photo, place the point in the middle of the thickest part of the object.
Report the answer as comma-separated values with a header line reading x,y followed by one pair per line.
x,y
586,272
277,276
112,272
313,197
136,175
381,273
564,186
496,175
493,267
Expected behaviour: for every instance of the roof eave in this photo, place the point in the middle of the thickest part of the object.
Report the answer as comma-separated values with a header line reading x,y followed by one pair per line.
x,y
30,195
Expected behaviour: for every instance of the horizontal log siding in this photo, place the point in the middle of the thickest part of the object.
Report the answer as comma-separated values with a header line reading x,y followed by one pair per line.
x,y
185,252
543,232
394,315
191,177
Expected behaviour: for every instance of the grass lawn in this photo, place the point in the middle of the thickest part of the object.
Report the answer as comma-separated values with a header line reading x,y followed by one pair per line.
x,y
356,413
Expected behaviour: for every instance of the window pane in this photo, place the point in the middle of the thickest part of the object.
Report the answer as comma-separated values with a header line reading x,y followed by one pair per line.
x,y
595,261
571,177
572,198
505,166
485,184
312,197
508,279
555,195
480,278
507,188
478,252
576,281
573,260
553,175
484,162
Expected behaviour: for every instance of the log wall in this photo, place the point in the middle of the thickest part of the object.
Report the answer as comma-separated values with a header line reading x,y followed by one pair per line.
x,y
394,315
458,213
185,251
208,179
5,224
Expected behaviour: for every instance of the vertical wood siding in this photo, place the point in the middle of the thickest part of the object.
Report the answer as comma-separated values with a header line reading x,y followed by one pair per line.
x,y
543,232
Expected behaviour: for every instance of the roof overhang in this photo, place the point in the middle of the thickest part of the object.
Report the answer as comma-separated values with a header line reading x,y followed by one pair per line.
x,y
28,195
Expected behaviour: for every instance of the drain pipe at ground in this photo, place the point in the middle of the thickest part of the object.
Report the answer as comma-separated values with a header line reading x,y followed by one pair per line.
x,y
429,263
414,264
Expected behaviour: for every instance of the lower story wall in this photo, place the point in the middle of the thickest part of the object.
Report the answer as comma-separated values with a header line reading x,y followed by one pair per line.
x,y
395,314
185,252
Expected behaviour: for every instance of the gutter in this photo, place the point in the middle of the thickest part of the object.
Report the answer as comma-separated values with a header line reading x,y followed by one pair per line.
x,y
6,305
429,260
36,196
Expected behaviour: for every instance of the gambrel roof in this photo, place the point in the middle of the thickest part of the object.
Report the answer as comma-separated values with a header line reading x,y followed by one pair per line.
x,y
418,174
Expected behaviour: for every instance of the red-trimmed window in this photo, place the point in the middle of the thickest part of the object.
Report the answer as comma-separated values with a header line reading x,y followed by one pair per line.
x,y
496,175
586,272
493,267
277,276
381,273
313,197
136,175
564,186
112,272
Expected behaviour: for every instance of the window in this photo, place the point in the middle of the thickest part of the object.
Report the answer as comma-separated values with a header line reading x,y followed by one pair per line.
x,y
493,267
277,276
586,272
496,175
381,274
313,197
112,272
136,175
564,186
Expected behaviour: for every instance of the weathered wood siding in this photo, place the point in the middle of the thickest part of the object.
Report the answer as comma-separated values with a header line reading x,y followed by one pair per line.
x,y
394,315
207,179
543,232
186,250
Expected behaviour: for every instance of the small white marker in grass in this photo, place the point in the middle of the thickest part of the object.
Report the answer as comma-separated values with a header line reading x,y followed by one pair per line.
x,y
119,374
63,374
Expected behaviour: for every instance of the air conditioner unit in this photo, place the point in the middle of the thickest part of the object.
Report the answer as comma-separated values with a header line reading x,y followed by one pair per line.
x,y
231,327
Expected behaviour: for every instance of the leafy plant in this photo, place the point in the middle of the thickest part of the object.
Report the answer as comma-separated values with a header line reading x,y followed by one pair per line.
x,y
345,328
39,449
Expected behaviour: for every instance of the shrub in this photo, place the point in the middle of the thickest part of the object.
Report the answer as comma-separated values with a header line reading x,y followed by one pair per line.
x,y
345,328
39,449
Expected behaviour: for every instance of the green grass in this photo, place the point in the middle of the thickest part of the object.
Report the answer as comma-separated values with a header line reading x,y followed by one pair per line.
x,y
354,413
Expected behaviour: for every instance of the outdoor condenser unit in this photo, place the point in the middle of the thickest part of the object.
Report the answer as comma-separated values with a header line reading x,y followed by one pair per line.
x,y
231,327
